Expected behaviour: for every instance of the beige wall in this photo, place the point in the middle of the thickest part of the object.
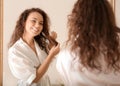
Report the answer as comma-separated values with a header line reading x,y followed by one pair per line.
x,y
117,11
57,11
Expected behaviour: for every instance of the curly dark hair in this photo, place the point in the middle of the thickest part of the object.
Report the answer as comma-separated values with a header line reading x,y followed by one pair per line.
x,y
43,38
92,29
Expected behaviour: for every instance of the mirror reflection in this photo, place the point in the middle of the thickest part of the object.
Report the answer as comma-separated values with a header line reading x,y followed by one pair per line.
x,y
57,14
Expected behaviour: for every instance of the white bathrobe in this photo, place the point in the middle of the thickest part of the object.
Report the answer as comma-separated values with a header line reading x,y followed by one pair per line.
x,y
23,63
71,74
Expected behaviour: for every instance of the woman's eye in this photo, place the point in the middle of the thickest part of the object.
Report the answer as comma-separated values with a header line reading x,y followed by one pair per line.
x,y
33,21
41,23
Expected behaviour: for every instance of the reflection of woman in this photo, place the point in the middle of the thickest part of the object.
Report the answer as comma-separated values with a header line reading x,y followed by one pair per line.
x,y
29,44
92,54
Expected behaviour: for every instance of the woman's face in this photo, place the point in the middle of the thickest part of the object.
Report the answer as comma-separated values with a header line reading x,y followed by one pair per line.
x,y
33,24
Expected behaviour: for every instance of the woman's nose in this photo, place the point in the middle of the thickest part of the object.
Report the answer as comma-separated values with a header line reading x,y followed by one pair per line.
x,y
37,25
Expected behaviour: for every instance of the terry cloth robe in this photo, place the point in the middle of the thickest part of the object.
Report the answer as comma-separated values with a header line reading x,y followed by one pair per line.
x,y
23,63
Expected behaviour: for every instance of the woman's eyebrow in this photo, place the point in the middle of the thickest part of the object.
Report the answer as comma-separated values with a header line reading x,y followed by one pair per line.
x,y
37,19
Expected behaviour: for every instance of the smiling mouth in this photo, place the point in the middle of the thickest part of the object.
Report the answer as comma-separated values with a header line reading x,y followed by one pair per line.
x,y
35,29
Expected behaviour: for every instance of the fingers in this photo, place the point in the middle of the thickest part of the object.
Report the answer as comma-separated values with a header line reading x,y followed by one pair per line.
x,y
55,49
53,34
58,45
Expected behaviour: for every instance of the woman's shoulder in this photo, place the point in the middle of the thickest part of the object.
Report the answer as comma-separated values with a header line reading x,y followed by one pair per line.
x,y
64,57
16,46
64,52
64,60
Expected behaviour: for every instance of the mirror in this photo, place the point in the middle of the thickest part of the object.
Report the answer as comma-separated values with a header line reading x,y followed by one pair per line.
x,y
10,10
57,11
1,41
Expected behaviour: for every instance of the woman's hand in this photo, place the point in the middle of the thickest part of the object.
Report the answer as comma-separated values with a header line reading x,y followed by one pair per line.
x,y
54,51
52,40
53,34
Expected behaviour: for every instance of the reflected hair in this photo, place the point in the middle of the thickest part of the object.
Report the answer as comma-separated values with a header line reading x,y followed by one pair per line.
x,y
92,29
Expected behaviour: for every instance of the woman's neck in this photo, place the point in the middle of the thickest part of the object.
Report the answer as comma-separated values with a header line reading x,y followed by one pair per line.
x,y
29,40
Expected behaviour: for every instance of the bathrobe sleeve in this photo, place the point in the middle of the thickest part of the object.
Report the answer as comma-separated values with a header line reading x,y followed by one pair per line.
x,y
21,66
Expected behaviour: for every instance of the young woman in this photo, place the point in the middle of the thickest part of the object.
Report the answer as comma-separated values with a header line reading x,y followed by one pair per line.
x,y
92,53
31,48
